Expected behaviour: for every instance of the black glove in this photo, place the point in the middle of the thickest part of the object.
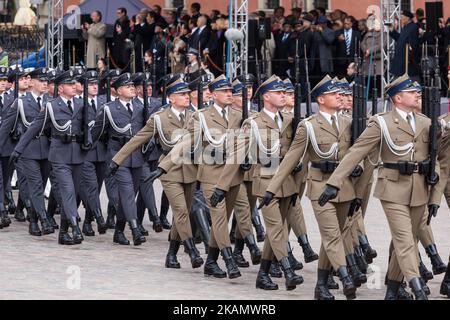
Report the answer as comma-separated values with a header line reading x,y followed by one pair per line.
x,y
155,175
13,158
432,212
217,197
246,165
357,172
268,196
294,198
329,193
433,180
297,168
354,206
112,169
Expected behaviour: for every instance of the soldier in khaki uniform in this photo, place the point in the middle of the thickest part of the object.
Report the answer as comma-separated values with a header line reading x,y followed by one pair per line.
x,y
213,127
271,130
168,126
295,219
401,138
244,201
325,138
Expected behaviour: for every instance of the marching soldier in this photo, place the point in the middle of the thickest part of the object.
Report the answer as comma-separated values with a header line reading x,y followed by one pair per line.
x,y
401,137
273,132
121,120
325,138
179,182
4,222
63,116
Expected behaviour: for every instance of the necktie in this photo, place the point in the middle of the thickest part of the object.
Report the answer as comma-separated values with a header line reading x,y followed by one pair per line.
x,y
182,119
130,111
224,115
347,42
333,124
276,121
93,105
69,104
285,36
409,119
39,102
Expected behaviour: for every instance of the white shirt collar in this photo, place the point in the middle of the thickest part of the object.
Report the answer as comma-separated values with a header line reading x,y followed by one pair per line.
x,y
65,101
125,104
348,31
328,117
177,113
272,116
193,30
202,28
404,114
35,96
219,110
95,100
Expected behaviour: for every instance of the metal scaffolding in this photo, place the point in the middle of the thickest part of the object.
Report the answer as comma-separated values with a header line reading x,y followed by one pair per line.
x,y
390,12
54,44
238,61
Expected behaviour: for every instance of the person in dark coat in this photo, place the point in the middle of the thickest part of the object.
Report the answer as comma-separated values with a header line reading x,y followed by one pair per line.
x,y
321,58
142,36
283,40
120,53
407,38
347,44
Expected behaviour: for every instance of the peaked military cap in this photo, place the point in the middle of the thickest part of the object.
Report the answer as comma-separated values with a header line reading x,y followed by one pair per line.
x,y
289,87
4,73
89,76
237,87
326,85
15,71
40,74
65,77
193,85
401,84
122,80
220,83
178,86
272,84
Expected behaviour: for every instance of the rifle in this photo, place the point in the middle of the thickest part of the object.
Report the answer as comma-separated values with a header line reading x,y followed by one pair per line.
x,y
200,93
154,91
86,144
145,96
359,101
298,98
16,84
435,98
437,72
308,86
258,81
245,98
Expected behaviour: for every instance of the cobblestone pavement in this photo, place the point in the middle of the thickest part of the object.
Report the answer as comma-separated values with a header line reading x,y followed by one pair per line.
x,y
39,268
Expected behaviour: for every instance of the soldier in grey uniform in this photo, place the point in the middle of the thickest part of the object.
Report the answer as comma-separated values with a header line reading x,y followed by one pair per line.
x,y
33,164
3,95
122,119
63,116
94,165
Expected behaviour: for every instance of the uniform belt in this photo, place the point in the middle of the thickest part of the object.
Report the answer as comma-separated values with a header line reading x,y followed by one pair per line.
x,y
408,167
326,166
68,138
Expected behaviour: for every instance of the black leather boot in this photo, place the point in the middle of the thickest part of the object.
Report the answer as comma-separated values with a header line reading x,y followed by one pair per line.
x,y
171,257
19,215
237,254
163,214
33,228
308,252
232,269
402,293
201,220
360,260
87,224
10,201
52,221
256,221
142,230
416,287
331,284
347,283
321,291
77,236
3,213
425,287
445,285
196,259
64,238
292,280
392,290
275,270
295,264
119,236
110,220
101,224
45,224
138,238
436,261
255,253
358,277
424,272
154,218
233,230
369,253
263,280
211,267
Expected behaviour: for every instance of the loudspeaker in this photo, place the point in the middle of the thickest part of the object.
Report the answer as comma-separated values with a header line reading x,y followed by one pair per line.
x,y
252,32
433,11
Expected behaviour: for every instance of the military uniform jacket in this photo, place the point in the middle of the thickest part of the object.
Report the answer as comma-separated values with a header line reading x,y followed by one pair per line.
x,y
391,186
153,152
7,143
165,127
444,161
20,116
120,126
270,135
68,123
325,136
208,171
98,150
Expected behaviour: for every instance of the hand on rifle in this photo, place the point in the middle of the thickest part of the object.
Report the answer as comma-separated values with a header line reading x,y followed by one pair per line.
x,y
432,212
329,193
357,172
268,196
217,197
155,175
111,169
433,180
355,205
294,198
